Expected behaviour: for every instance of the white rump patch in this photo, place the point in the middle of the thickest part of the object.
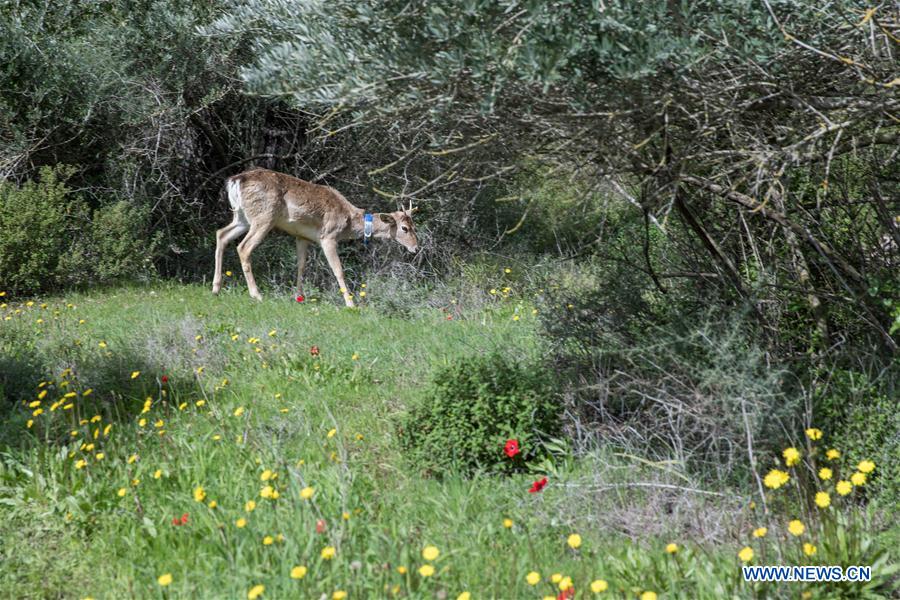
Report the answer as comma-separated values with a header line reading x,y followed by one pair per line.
x,y
234,194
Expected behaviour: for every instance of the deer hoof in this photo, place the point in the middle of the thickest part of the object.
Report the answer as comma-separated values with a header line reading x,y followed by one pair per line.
x,y
256,296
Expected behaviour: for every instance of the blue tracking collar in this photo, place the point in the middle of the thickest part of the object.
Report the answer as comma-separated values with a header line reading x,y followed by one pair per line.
x,y
368,225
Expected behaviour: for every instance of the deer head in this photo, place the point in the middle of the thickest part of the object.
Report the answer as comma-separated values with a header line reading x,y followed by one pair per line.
x,y
400,227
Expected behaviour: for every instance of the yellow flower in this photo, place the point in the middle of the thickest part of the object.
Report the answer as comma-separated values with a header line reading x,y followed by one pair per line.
x,y
866,466
355,356
142,422
775,478
328,552
199,493
132,459
508,523
599,585
157,474
298,572
164,579
760,532
239,411
825,473
101,456
791,456
858,478
426,570
227,273
796,527
672,548
533,578
565,583
339,595
401,569
843,487
823,500
331,433
463,595
307,493
213,504
574,541
430,553
268,540
648,596
809,549
135,374
122,492
832,454
266,475
256,591
746,554
81,464
267,492
556,577
240,523
250,505
814,434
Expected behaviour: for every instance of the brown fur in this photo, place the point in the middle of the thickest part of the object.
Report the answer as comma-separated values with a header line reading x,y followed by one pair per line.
x,y
264,200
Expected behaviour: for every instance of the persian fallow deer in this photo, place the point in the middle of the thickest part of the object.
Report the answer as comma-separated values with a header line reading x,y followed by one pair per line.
x,y
264,200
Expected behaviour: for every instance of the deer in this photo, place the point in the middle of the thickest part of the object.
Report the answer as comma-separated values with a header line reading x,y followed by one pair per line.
x,y
263,200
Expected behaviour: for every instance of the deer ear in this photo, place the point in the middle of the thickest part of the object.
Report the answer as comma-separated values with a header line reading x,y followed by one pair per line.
x,y
387,218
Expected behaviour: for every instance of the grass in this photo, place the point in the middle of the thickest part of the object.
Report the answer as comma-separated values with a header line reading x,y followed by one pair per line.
x,y
245,409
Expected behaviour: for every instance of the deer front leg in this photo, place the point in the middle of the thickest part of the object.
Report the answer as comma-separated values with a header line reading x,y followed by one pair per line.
x,y
302,246
329,247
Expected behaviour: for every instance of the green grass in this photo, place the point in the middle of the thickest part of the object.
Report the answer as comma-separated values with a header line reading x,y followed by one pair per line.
x,y
65,532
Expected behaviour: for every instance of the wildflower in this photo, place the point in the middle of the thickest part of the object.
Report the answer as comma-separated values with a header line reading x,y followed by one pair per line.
x,y
307,493
159,424
463,595
565,583
574,541
122,492
426,570
599,585
227,273
355,356
132,459
832,454
843,487
164,579
314,351
249,506
240,523
746,554
515,317
256,591
672,548
298,572
648,596
29,423
538,485
858,478
101,456
796,527
266,475
239,411
775,478
825,473
142,422
760,532
430,553
866,466
814,434
533,578
328,552
165,379
199,493
267,492
268,540
823,500
401,569
556,577
320,526
791,456
331,433
339,595
135,374
273,333
80,464
511,448
213,504
300,298
157,474
508,523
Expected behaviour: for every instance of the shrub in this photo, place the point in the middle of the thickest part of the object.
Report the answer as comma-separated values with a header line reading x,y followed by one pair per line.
x,y
472,408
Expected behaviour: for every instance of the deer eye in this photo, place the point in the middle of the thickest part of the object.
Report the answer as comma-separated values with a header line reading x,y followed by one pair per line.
x,y
404,228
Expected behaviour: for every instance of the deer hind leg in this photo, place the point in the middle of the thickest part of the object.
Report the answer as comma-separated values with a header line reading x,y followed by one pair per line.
x,y
302,247
225,236
245,249
329,247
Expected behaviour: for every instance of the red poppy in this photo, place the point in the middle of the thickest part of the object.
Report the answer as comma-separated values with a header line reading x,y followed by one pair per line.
x,y
511,448
538,485
320,526
301,298
175,521
184,519
165,379
449,317
314,350
566,594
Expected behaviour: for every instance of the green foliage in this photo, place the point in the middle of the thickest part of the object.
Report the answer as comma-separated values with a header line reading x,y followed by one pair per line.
x,y
472,408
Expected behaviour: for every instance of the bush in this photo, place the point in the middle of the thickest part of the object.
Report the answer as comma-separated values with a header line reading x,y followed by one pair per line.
x,y
472,408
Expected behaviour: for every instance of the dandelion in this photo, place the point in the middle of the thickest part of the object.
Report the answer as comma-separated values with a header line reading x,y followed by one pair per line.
x,y
672,548
213,504
858,479
574,541
825,473
565,584
157,474
599,586
795,527
556,577
843,487
240,523
832,454
508,523
401,569
426,570
331,433
298,572
533,578
327,552
464,596
814,434
775,478
256,591
164,579
132,459
746,554
307,493
648,596
430,553
80,464
866,466
101,456
239,411
268,540
122,492
227,273
199,493
823,500
791,456
760,532
134,374
339,594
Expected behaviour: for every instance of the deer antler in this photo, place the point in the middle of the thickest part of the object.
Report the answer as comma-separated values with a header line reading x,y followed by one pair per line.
x,y
411,210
